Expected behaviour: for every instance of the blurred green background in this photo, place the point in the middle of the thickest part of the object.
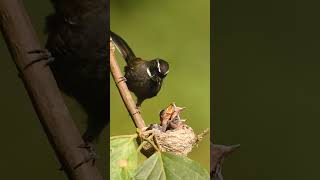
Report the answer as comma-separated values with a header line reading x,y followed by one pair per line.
x,y
179,32
266,90
25,151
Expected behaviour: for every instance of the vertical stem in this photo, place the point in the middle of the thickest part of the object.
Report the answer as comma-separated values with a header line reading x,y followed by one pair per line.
x,y
124,91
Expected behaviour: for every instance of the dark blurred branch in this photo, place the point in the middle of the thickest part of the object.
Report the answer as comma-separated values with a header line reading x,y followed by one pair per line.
x,y
124,91
218,153
54,116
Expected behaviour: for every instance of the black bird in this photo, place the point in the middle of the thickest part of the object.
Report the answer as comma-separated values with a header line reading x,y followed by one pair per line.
x,y
78,39
144,78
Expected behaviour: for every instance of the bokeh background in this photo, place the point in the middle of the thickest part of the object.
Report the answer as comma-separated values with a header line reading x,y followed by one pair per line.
x,y
266,89
25,152
179,32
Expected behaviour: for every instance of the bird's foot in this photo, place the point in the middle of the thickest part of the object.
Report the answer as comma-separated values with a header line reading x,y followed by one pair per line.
x,y
41,55
92,154
121,79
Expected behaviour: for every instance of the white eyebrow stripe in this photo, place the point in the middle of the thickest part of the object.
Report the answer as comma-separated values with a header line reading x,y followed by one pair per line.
x,y
149,73
158,64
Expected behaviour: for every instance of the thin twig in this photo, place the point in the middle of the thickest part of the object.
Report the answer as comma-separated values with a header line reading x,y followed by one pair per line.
x,y
124,91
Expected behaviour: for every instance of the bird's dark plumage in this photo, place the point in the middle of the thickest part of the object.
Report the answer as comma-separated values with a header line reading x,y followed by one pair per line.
x,y
123,47
144,78
78,36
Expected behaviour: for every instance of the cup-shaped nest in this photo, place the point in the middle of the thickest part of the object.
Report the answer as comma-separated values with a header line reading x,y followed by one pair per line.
x,y
172,134
178,141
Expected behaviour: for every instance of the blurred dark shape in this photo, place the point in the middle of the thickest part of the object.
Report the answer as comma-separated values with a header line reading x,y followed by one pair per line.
x,y
218,153
78,33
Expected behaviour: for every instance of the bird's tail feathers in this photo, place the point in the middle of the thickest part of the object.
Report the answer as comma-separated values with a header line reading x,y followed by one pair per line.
x,y
122,47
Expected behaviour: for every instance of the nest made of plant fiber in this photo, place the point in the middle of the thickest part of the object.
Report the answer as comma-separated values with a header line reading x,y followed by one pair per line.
x,y
178,139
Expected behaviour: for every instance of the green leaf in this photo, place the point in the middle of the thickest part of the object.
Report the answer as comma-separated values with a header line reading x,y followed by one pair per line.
x,y
124,157
167,166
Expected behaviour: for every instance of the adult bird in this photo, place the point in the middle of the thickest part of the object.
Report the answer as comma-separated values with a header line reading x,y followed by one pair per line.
x,y
78,36
144,78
